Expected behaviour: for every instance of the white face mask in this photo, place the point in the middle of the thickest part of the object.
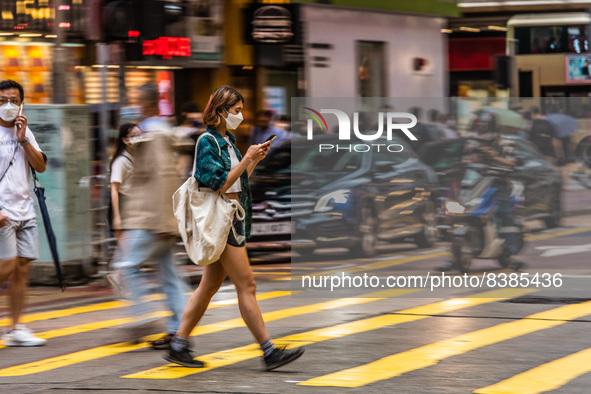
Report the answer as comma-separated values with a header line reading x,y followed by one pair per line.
x,y
233,121
9,112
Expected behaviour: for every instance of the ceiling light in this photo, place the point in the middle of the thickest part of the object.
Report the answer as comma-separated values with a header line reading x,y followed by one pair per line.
x,y
470,29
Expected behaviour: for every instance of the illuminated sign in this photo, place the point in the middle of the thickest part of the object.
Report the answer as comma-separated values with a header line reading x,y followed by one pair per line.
x,y
167,47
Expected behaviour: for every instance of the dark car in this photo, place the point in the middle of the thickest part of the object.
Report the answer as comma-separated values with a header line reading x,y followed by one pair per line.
x,y
541,180
342,199
271,196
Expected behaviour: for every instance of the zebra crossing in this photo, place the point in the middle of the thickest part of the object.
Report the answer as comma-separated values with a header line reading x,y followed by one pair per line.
x,y
384,368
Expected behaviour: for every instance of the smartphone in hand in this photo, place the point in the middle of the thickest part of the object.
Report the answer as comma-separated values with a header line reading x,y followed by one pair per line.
x,y
20,112
271,138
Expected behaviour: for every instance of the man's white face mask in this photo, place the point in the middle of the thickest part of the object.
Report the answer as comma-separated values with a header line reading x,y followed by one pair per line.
x,y
9,112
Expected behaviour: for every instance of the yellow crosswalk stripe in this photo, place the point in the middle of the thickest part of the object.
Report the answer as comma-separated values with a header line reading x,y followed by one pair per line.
x,y
68,312
159,314
428,355
109,350
121,304
78,310
546,377
95,326
232,356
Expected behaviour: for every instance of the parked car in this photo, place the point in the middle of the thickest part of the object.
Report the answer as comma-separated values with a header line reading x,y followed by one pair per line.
x,y
541,180
271,196
308,199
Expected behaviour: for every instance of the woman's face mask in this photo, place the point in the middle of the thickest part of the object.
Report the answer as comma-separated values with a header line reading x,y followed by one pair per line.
x,y
233,121
9,112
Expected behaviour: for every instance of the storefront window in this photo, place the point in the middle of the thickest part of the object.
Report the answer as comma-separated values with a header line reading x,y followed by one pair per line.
x,y
552,39
29,63
371,81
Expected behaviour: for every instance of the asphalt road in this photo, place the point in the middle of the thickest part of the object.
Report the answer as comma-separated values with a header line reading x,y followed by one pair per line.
x,y
450,339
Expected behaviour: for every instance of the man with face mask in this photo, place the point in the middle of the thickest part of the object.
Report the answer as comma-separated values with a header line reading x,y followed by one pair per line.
x,y
18,226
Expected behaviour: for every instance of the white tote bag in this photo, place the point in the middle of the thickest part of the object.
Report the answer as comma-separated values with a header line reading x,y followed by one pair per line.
x,y
204,217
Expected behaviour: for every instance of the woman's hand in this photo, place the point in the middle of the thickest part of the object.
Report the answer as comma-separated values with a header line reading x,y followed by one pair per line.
x,y
257,152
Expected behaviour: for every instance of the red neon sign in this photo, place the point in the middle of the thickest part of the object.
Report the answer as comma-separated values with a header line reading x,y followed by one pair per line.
x,y
167,47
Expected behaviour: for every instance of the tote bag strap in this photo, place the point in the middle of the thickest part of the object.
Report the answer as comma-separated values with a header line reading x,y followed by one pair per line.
x,y
196,150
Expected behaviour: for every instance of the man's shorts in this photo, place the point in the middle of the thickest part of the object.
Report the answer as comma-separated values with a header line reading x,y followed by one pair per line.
x,y
19,239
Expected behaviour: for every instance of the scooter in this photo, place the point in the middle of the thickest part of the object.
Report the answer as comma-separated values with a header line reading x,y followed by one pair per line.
x,y
476,231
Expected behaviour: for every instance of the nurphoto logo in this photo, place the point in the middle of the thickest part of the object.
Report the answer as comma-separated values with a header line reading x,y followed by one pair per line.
x,y
344,130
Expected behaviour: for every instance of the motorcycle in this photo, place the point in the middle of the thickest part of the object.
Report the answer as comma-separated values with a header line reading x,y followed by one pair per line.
x,y
477,231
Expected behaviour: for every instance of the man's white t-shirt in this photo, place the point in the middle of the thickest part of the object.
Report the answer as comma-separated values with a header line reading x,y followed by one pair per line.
x,y
121,171
15,197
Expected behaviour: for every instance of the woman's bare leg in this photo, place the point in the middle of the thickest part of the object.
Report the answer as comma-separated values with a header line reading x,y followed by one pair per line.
x,y
212,279
234,261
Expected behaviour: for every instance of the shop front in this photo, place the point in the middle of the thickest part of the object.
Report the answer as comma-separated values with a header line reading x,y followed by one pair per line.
x,y
552,54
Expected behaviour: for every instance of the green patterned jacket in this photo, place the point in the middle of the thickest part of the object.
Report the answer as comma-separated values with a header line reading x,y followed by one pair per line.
x,y
212,169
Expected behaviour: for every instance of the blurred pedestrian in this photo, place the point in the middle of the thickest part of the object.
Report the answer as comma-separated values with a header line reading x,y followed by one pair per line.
x,y
19,243
263,128
228,173
444,132
188,130
121,172
284,123
543,135
149,228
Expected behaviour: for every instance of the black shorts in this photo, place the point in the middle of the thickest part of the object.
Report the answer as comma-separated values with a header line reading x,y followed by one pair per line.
x,y
239,226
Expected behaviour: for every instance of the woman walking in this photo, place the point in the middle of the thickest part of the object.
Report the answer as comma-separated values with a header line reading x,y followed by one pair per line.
x,y
121,172
228,173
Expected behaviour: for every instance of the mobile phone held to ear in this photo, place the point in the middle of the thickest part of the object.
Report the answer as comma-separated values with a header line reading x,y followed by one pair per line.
x,y
20,111
271,138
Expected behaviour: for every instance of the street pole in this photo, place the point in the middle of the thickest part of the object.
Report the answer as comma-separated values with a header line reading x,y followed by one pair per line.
x,y
514,72
59,56
103,61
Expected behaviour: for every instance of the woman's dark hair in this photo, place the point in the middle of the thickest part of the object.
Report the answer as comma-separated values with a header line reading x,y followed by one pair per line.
x,y
124,131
